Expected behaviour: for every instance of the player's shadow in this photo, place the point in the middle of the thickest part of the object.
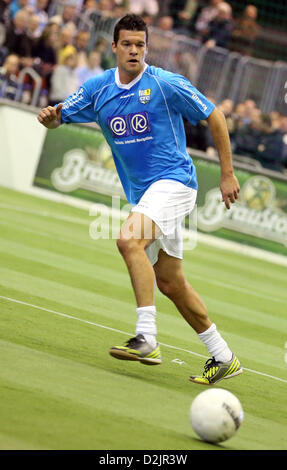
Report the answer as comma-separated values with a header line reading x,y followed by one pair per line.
x,y
137,371
210,444
159,380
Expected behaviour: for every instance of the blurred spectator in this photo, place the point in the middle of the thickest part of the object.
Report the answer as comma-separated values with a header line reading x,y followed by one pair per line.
x,y
226,106
165,23
103,46
283,130
120,8
45,51
89,7
78,4
33,31
17,5
82,41
161,43
64,80
5,12
106,8
182,12
262,137
245,32
244,115
261,141
276,119
246,140
66,43
69,14
42,15
103,11
17,41
140,6
4,24
185,63
206,15
219,29
242,123
238,115
68,18
270,145
198,136
149,19
250,111
163,7
92,69
8,77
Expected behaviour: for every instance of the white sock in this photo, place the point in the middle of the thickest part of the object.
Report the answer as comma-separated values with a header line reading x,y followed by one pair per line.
x,y
146,324
215,344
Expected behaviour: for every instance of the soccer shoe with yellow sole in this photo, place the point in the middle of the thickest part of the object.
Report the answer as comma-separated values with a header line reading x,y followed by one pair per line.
x,y
137,349
215,371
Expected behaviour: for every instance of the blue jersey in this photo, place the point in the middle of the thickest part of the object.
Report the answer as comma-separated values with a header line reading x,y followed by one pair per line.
x,y
143,124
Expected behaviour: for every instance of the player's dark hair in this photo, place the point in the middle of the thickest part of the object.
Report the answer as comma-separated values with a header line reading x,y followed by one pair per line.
x,y
266,120
130,22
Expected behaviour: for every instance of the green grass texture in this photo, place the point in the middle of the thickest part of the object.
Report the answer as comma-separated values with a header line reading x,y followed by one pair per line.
x,y
66,298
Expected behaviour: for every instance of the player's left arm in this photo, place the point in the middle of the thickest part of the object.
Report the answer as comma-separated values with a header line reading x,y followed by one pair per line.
x,y
229,185
185,99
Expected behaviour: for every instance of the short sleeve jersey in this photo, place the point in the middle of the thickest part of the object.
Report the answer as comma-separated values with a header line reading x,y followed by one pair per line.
x,y
143,124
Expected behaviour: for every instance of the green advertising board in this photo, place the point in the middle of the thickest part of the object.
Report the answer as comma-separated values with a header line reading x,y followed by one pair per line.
x,y
76,160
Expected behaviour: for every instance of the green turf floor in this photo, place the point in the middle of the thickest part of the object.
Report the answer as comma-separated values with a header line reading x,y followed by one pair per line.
x,y
65,299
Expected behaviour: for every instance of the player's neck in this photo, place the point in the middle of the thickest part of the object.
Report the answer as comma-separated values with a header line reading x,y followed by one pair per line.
x,y
126,77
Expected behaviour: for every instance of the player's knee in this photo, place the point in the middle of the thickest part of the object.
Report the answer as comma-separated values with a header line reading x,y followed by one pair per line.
x,y
127,245
123,245
171,288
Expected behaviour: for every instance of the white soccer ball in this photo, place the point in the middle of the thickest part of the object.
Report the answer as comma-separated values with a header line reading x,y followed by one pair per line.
x,y
216,415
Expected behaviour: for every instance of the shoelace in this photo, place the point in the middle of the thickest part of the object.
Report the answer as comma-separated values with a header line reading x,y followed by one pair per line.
x,y
209,363
134,341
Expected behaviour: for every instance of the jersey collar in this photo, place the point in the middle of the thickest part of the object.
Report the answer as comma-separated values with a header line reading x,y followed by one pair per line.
x,y
127,86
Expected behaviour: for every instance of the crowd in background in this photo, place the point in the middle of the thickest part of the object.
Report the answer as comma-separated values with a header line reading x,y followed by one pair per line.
x,y
253,134
55,40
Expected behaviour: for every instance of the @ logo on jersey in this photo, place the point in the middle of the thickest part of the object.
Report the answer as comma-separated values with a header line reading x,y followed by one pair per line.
x,y
119,126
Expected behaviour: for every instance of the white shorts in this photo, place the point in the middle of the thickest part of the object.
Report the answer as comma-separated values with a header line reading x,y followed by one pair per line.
x,y
167,203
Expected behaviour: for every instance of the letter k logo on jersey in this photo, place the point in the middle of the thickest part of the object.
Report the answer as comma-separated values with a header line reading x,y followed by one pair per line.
x,y
139,123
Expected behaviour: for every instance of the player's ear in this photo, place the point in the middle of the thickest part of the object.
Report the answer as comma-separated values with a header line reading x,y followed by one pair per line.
x,y
114,47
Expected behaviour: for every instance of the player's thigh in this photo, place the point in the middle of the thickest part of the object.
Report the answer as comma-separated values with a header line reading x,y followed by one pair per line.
x,y
168,270
139,227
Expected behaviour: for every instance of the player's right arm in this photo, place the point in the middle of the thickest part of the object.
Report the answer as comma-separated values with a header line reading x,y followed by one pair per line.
x,y
50,117
78,107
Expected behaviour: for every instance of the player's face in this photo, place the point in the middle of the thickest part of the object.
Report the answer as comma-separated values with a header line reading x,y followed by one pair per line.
x,y
131,51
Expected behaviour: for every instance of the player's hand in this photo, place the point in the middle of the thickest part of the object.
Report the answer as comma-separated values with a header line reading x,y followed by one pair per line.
x,y
50,117
229,188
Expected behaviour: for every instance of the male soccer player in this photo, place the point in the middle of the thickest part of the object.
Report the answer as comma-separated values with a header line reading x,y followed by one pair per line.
x,y
139,109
